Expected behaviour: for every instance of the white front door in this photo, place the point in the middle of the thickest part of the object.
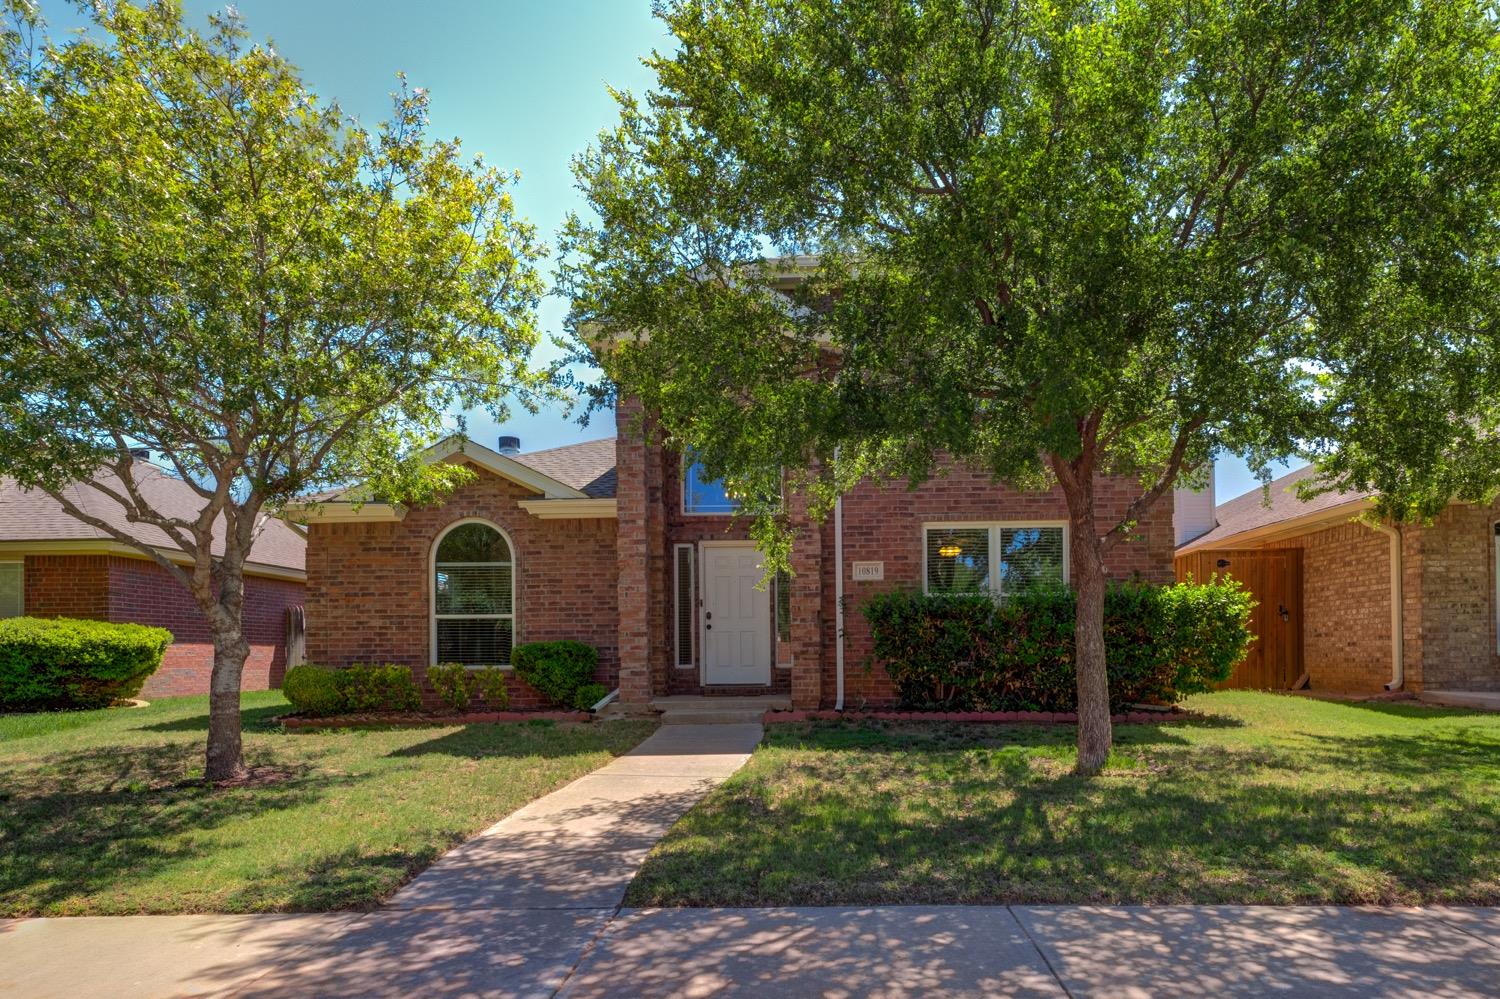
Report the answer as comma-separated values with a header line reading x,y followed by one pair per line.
x,y
736,616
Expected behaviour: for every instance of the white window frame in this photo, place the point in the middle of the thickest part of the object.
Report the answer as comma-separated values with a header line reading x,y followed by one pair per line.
x,y
994,527
20,564
515,591
683,658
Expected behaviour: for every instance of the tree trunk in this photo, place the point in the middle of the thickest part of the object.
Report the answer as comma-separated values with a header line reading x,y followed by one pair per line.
x,y
1087,558
1094,730
224,756
225,759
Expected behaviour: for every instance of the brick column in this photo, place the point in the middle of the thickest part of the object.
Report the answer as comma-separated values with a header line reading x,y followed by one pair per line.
x,y
807,597
633,555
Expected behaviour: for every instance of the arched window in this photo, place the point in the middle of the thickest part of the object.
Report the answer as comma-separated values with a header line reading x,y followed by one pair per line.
x,y
474,604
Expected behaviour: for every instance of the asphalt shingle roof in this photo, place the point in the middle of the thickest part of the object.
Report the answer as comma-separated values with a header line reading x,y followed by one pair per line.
x,y
32,515
588,467
1251,510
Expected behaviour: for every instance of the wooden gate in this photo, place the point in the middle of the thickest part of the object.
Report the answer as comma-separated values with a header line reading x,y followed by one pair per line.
x,y
296,636
1274,578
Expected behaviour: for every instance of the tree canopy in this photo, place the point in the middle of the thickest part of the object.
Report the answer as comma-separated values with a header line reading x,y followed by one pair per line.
x,y
1051,240
200,257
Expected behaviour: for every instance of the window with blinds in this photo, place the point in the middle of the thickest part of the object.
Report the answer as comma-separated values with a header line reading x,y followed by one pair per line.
x,y
994,558
685,617
12,589
474,597
783,586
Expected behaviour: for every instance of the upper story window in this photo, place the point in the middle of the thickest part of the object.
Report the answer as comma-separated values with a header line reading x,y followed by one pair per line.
x,y
703,495
993,558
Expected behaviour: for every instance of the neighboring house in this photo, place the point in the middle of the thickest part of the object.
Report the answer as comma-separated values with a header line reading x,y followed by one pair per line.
x,y
52,565
1367,607
618,544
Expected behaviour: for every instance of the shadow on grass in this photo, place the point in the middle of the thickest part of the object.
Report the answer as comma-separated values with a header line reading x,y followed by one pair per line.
x,y
250,718
82,822
850,816
541,738
351,878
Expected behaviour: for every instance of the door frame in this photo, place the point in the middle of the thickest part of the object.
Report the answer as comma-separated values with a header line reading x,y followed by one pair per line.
x,y
703,681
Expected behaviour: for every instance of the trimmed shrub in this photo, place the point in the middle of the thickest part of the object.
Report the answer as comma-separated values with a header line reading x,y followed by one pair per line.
x,y
490,683
451,683
318,690
67,663
312,690
562,672
371,687
971,653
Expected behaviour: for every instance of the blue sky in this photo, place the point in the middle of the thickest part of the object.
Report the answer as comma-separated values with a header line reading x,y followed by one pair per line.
x,y
522,82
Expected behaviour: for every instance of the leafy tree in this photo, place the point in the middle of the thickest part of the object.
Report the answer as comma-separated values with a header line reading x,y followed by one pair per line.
x,y
201,258
1056,241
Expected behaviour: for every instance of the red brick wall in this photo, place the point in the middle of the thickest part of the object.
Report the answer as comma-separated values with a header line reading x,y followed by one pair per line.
x,y
122,589
369,585
67,586
885,525
144,593
1346,607
1452,639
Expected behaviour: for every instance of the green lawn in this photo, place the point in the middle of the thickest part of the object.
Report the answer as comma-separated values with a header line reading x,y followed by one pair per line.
x,y
105,811
1272,799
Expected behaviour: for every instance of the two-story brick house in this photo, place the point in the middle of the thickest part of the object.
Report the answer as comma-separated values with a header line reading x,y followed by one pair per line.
x,y
622,544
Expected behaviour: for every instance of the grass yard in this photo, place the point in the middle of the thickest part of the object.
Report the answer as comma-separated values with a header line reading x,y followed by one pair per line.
x,y
1273,799
105,811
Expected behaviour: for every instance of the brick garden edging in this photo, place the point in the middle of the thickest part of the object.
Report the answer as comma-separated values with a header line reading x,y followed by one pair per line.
x,y
983,717
432,720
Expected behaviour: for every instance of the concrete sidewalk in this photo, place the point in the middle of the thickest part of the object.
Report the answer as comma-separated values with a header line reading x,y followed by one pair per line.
x,y
891,952
531,908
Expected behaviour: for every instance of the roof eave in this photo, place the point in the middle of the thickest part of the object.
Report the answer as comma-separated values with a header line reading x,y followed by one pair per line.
x,y
1302,524
108,546
571,509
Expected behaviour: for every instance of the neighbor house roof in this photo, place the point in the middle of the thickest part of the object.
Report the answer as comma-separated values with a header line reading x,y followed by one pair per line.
x,y
1276,509
32,521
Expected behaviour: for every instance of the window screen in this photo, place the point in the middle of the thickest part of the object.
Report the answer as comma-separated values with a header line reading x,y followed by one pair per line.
x,y
991,558
12,589
474,597
685,616
1030,556
958,560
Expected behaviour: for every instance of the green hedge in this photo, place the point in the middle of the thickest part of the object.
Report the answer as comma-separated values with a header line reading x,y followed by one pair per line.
x,y
65,663
971,653
319,690
457,685
562,672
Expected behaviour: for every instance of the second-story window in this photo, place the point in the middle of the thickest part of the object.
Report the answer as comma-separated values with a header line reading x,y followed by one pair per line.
x,y
703,495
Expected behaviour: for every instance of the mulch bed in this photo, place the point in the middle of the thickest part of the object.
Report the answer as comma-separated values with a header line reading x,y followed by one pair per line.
x,y
983,717
431,720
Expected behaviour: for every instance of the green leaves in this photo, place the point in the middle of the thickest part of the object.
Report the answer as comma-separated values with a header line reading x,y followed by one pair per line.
x,y
201,257
1127,234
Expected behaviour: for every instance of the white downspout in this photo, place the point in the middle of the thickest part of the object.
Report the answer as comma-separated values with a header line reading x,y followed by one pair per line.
x,y
1398,645
838,595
